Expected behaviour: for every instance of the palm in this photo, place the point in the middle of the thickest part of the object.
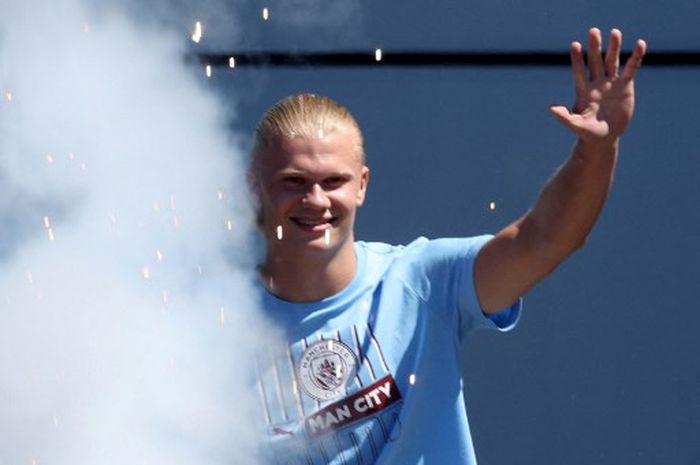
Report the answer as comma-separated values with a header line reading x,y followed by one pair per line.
x,y
604,98
605,107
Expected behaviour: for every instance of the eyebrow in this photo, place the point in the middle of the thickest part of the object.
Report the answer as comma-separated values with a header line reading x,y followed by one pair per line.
x,y
297,172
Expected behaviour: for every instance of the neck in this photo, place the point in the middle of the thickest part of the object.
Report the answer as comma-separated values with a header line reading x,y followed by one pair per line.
x,y
304,277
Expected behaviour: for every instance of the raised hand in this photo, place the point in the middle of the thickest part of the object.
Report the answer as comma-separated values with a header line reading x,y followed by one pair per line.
x,y
604,98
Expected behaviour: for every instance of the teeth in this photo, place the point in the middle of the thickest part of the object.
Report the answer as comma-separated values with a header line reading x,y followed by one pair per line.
x,y
310,223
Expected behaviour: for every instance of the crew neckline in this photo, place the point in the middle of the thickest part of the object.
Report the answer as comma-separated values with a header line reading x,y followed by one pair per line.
x,y
327,302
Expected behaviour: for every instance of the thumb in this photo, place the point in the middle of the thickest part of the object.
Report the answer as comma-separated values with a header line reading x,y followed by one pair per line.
x,y
563,115
561,112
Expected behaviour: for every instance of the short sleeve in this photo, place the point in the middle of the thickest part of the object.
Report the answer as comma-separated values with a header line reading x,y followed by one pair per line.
x,y
441,273
471,315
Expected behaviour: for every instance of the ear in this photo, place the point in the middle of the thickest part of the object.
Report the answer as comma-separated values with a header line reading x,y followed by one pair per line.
x,y
254,188
364,181
253,182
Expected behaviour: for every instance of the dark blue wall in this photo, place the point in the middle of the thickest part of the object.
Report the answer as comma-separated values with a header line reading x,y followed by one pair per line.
x,y
604,366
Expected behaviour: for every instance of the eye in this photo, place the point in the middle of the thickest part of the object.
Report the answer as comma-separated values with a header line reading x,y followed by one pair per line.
x,y
334,182
294,180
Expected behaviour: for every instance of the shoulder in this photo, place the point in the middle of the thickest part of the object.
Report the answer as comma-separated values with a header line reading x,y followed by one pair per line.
x,y
422,254
423,247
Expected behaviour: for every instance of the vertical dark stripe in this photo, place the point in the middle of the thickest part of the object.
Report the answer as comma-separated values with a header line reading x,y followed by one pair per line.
x,y
356,447
358,381
358,353
363,357
318,402
372,444
280,394
323,452
261,390
296,387
340,449
383,427
378,347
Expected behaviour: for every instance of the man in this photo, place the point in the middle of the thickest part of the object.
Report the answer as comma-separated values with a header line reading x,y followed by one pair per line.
x,y
370,369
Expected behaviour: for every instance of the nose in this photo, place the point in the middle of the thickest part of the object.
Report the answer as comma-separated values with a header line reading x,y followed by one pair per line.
x,y
316,197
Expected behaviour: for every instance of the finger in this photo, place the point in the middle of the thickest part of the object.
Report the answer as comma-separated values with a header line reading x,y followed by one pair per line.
x,y
612,56
635,60
595,60
578,67
564,116
561,112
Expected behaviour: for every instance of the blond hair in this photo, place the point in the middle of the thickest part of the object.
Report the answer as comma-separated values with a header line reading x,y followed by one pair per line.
x,y
305,115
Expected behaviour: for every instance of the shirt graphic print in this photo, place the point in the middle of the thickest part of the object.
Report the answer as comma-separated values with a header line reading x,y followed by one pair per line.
x,y
329,400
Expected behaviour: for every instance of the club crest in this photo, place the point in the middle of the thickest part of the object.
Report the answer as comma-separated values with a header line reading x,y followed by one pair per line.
x,y
325,369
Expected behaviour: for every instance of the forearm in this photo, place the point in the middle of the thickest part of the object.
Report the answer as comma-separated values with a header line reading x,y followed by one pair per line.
x,y
571,201
531,247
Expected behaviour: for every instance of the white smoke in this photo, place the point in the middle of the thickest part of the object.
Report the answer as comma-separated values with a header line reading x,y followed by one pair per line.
x,y
329,18
126,334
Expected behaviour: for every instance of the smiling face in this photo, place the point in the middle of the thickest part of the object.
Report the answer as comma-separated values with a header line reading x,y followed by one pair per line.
x,y
309,190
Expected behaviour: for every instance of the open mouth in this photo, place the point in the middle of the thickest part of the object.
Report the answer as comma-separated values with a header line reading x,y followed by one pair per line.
x,y
314,225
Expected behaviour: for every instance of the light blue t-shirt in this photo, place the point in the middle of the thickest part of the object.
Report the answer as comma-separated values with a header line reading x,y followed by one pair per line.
x,y
371,375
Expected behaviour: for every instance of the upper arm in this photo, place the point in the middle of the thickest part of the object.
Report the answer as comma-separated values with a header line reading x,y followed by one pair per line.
x,y
509,264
